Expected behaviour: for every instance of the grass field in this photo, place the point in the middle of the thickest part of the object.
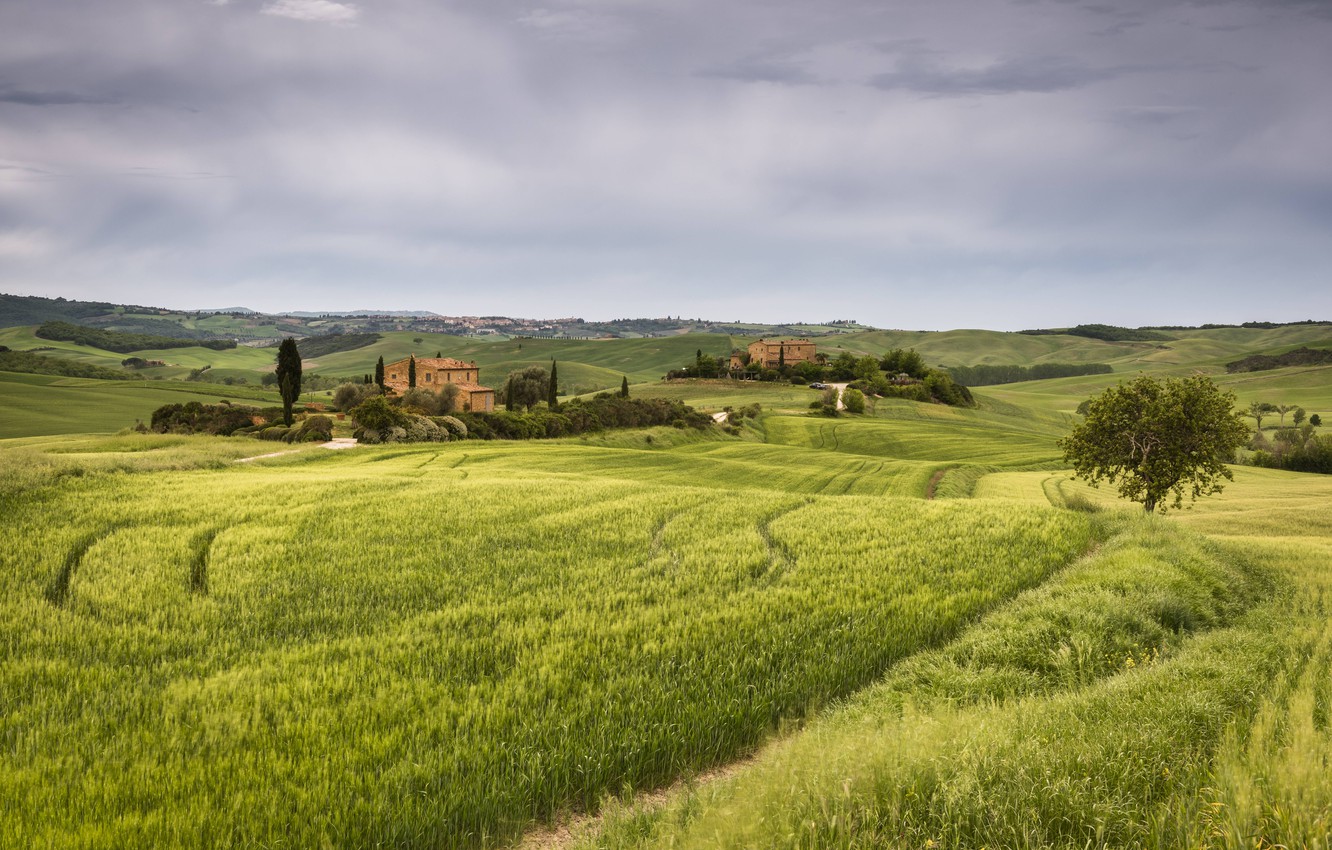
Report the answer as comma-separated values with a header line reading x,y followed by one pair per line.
x,y
454,645
174,655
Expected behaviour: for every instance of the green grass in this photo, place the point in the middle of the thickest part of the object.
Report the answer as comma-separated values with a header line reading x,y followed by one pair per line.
x,y
1141,698
37,405
445,645
449,675
713,395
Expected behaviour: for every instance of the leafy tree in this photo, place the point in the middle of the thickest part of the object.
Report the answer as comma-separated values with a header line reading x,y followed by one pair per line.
x,y
1283,409
350,395
526,388
552,400
288,376
411,372
1258,410
866,369
1316,421
624,387
1155,438
379,373
1298,415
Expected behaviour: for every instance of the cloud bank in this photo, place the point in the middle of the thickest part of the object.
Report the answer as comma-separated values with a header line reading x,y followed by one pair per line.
x,y
910,164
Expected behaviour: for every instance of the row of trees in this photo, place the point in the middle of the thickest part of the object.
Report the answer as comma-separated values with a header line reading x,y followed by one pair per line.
x,y
1260,410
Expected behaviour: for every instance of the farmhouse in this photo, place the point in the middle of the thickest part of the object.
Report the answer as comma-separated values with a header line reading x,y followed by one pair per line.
x,y
432,373
771,354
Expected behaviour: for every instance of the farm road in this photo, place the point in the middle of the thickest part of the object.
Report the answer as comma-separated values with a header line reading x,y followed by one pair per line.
x,y
335,444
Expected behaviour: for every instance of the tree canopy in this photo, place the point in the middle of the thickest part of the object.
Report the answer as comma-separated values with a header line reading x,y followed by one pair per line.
x,y
1154,438
288,376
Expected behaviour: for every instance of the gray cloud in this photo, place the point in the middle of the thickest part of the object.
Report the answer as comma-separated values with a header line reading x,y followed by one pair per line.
x,y
783,71
1010,76
50,98
598,157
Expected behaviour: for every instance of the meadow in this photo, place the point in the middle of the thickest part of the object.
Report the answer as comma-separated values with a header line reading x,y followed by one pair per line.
x,y
910,628
454,643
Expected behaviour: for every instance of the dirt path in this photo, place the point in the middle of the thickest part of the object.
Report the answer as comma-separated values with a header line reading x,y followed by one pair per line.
x,y
334,444
841,388
571,828
934,483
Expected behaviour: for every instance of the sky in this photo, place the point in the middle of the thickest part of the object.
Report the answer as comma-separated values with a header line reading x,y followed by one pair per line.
x,y
922,164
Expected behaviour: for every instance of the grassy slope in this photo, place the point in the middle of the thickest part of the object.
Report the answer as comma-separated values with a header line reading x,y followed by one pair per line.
x,y
609,620
36,405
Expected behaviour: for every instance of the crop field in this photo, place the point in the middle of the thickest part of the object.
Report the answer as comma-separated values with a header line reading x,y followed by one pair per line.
x,y
453,646
36,405
461,644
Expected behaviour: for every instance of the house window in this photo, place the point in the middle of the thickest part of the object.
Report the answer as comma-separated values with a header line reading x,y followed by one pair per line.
x,y
394,376
429,378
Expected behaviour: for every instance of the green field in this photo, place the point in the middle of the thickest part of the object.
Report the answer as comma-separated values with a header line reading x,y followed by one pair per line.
x,y
461,644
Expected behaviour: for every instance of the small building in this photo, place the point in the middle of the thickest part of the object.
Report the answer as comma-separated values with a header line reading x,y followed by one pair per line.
x,y
770,354
432,373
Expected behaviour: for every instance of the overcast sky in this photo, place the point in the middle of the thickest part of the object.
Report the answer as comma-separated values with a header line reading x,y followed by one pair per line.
x,y
908,163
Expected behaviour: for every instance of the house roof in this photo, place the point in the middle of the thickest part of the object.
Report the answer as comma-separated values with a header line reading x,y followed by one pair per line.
x,y
436,362
473,388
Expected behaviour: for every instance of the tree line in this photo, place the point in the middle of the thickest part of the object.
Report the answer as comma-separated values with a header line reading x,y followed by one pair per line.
x,y
123,343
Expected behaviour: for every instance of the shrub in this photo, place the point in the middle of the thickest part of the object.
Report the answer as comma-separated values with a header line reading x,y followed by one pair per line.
x,y
274,432
453,425
376,414
349,395
854,400
196,418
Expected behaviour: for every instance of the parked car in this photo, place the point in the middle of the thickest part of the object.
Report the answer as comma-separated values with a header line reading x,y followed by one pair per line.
x,y
817,385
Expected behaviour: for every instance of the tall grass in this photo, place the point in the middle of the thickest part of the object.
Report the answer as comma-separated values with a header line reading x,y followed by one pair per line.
x,y
441,646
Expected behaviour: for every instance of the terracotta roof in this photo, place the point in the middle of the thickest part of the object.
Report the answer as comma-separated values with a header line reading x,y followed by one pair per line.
x,y
436,362
473,388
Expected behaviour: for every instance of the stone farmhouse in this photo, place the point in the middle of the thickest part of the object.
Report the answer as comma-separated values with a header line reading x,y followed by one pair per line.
x,y
432,373
772,353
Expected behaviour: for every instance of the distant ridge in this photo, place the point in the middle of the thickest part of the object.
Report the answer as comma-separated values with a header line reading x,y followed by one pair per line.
x,y
245,310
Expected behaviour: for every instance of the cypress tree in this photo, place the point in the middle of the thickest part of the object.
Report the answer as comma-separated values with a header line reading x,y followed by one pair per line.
x,y
367,378
551,401
411,373
624,387
288,376
379,373
508,395
781,356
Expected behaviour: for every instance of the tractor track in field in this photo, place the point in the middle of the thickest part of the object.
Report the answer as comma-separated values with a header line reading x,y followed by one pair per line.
x,y
57,591
780,558
203,549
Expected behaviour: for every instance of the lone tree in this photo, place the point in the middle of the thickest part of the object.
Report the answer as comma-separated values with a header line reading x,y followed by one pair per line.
x,y
551,394
1155,438
288,376
624,386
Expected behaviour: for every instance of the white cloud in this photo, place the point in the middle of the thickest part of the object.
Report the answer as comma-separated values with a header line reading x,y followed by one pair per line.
x,y
317,11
